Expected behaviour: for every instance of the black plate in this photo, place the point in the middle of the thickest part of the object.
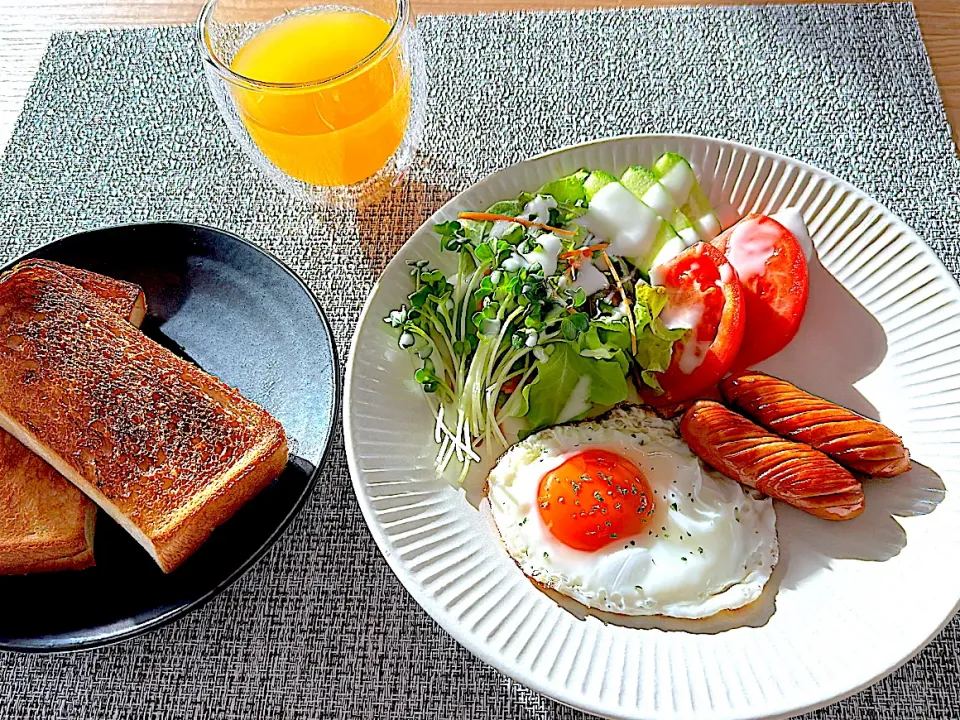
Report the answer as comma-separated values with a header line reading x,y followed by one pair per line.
x,y
241,315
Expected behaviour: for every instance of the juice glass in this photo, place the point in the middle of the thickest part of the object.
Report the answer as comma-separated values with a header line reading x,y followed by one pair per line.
x,y
328,100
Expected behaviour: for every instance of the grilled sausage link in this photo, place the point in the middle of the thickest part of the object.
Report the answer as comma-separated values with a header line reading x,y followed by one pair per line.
x,y
852,440
782,469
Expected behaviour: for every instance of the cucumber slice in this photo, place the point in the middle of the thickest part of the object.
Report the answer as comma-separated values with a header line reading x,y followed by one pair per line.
x,y
669,248
634,230
644,184
596,181
677,177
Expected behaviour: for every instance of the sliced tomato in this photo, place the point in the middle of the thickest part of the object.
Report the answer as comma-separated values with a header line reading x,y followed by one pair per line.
x,y
773,272
703,293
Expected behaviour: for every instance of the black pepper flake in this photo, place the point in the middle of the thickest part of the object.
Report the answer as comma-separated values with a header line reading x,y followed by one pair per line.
x,y
673,506
700,550
684,559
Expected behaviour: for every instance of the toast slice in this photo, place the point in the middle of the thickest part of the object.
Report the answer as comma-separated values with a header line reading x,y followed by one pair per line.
x,y
169,451
125,299
46,523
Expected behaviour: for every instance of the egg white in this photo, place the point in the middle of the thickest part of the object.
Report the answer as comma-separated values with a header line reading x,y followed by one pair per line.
x,y
710,544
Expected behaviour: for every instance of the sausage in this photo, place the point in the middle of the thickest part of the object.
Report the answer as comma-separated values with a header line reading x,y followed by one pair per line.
x,y
789,471
668,412
852,440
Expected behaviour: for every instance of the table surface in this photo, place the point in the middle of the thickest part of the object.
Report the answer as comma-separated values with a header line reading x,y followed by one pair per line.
x,y
25,29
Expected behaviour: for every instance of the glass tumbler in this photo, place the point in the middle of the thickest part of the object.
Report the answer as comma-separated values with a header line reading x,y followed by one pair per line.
x,y
327,100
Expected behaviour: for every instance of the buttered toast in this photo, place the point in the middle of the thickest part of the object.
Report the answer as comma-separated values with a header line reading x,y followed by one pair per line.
x,y
46,523
167,450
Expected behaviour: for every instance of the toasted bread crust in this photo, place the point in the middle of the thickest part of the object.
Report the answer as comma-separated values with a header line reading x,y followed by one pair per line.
x,y
180,541
166,449
125,299
47,524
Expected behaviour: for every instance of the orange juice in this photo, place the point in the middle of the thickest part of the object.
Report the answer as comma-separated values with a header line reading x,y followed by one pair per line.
x,y
330,133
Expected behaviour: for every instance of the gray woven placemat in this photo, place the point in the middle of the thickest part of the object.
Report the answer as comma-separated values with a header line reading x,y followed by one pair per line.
x,y
119,127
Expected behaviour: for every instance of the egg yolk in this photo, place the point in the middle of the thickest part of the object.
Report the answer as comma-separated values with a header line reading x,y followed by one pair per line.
x,y
593,499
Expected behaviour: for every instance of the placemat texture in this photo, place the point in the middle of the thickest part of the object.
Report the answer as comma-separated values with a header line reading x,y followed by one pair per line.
x,y
119,127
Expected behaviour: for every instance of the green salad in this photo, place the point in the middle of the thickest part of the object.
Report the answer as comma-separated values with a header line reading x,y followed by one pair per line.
x,y
550,315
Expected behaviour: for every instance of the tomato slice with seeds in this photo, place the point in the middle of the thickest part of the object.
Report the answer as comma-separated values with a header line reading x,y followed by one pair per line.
x,y
593,499
704,295
773,272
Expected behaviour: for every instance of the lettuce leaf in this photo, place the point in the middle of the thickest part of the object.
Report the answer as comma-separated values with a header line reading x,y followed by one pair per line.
x,y
649,304
506,207
607,341
567,190
654,340
558,377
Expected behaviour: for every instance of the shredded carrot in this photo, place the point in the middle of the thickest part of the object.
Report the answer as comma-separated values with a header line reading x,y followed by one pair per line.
x,y
494,217
585,252
626,302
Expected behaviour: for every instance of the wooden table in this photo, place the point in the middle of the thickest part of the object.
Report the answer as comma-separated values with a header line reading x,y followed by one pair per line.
x,y
24,31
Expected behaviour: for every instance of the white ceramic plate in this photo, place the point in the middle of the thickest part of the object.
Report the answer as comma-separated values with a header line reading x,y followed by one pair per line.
x,y
853,600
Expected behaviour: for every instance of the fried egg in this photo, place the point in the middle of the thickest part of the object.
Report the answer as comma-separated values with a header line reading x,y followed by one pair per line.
x,y
620,515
